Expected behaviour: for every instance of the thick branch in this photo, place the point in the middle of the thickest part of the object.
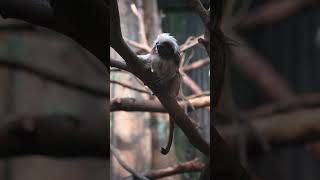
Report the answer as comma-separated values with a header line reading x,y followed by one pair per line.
x,y
292,104
131,104
271,12
295,127
52,135
120,64
225,163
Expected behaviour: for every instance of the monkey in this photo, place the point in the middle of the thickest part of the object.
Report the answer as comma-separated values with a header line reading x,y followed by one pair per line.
x,y
164,60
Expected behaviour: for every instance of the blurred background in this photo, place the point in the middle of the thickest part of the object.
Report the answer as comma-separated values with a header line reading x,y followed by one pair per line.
x,y
138,136
269,111
30,94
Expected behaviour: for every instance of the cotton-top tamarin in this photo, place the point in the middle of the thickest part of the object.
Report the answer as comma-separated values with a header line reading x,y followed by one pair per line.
x,y
164,61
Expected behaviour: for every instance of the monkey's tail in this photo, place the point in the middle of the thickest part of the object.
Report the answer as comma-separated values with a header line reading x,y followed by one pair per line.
x,y
166,150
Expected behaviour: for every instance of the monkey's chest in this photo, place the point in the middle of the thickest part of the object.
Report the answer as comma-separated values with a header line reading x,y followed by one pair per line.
x,y
159,67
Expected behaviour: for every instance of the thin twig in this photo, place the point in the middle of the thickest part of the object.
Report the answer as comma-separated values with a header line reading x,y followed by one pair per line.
x,y
124,164
137,45
206,93
195,88
190,166
190,42
142,30
130,87
195,65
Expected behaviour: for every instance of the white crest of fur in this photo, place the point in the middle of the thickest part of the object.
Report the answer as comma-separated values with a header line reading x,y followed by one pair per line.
x,y
166,37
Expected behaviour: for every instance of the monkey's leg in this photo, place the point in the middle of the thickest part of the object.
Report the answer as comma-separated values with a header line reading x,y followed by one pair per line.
x,y
166,150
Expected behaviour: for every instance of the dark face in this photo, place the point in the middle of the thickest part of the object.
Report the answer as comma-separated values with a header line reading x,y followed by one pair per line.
x,y
165,50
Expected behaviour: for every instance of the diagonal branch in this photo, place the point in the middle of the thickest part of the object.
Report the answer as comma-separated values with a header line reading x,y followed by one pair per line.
x,y
120,64
254,66
195,88
5,63
140,46
125,165
203,13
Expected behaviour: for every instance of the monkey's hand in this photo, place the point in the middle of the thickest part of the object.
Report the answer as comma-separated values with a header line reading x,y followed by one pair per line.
x,y
164,81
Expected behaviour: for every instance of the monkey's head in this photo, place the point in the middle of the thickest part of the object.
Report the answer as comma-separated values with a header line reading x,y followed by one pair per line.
x,y
166,46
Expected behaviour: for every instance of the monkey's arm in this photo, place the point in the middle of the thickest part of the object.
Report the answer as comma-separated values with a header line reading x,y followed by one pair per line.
x,y
145,58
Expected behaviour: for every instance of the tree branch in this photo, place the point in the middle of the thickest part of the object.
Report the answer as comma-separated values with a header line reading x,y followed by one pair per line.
x,y
282,128
190,166
190,42
131,104
142,30
52,135
120,64
225,164
203,13
263,74
292,104
125,165
191,84
195,65
41,73
270,13
130,87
